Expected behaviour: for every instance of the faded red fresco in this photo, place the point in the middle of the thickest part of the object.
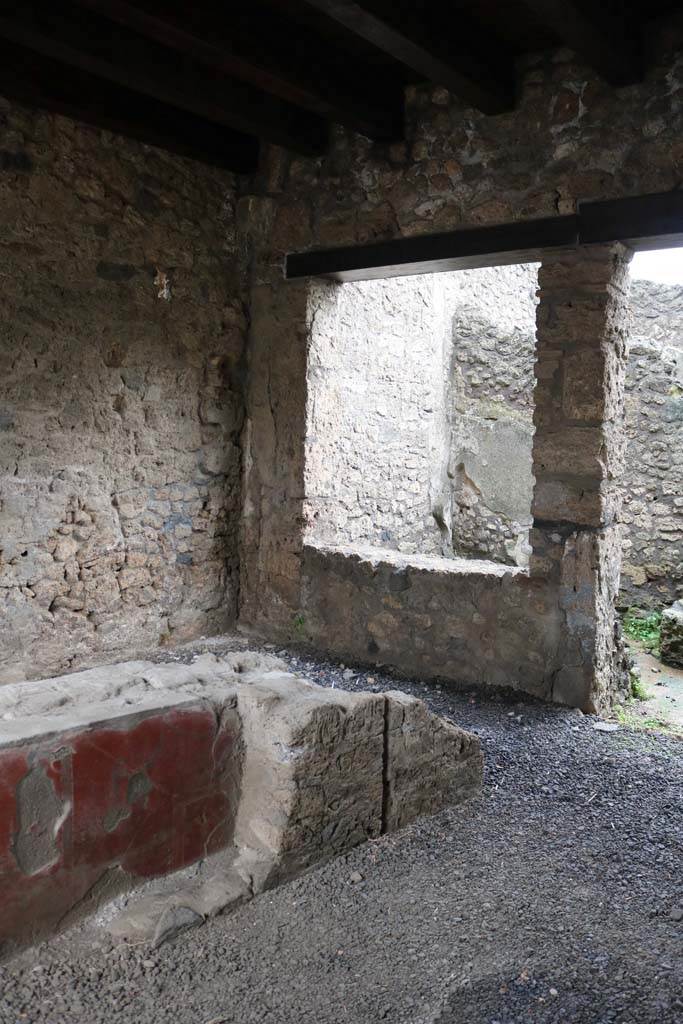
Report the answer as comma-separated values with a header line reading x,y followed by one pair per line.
x,y
149,796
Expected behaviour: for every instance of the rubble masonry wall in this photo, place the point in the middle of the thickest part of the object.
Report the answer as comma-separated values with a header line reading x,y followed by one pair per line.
x,y
121,342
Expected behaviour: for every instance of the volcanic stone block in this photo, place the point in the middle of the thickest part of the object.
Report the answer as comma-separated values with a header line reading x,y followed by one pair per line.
x,y
313,778
429,763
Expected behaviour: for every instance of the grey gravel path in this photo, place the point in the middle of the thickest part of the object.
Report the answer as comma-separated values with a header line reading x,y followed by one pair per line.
x,y
556,897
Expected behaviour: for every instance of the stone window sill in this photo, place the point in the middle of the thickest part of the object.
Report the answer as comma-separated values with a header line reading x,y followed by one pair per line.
x,y
399,560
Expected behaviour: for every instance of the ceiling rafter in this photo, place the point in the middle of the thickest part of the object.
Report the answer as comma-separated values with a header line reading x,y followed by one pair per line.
x,y
313,74
36,81
606,43
70,35
484,82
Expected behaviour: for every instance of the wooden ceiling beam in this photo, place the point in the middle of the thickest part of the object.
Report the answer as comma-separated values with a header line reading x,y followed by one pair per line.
x,y
483,81
256,48
653,221
77,39
465,249
37,81
606,43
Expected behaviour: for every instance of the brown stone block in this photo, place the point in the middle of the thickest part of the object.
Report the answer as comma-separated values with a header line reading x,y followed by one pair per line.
x,y
572,451
420,746
291,228
583,387
573,501
591,268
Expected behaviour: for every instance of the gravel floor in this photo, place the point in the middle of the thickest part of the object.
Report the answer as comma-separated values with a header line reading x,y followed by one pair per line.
x,y
556,896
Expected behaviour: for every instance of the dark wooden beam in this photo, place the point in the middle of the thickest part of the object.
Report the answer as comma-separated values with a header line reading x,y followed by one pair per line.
x,y
608,44
483,80
643,222
499,245
37,81
77,39
267,51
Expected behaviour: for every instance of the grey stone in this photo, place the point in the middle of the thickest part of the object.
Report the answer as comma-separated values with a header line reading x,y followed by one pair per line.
x,y
671,636
429,762
172,922
40,817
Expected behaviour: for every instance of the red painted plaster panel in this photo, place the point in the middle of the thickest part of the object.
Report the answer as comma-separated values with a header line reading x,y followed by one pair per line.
x,y
150,795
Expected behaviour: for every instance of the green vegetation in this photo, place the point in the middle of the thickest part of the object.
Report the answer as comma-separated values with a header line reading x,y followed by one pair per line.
x,y
639,691
643,628
299,624
629,714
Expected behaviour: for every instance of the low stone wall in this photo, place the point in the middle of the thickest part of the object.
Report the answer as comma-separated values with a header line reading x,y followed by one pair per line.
x,y
472,622
116,775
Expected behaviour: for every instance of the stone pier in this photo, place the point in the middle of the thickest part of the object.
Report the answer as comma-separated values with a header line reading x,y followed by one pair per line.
x,y
577,458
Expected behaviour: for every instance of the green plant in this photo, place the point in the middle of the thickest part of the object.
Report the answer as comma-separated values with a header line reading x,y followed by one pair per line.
x,y
298,622
643,628
630,715
639,690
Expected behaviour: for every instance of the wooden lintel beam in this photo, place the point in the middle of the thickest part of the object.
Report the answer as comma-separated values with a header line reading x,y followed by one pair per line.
x,y
499,245
36,81
641,222
91,44
312,75
601,40
482,83
652,221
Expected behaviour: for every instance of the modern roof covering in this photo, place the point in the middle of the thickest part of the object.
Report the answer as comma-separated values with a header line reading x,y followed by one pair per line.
x,y
213,80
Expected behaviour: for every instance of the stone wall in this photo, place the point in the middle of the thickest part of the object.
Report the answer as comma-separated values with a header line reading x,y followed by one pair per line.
x,y
378,428
550,630
652,517
570,137
491,377
121,338
474,622
500,438
652,571
420,421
